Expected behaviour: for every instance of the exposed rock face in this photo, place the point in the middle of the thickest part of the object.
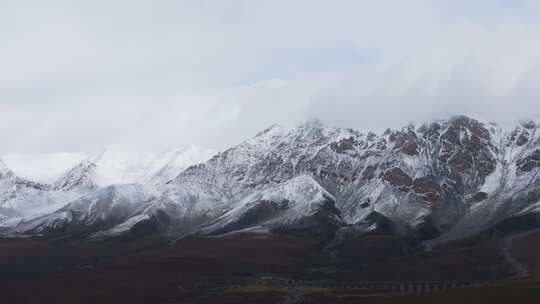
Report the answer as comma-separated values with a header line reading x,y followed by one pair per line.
x,y
399,179
405,142
529,163
480,196
428,187
442,180
432,176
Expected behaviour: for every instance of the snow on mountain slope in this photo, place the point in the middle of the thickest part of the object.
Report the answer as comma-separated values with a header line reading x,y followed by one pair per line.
x,y
441,181
43,168
297,204
122,228
512,186
110,167
21,198
273,156
172,163
447,178
4,170
81,177
454,178
99,210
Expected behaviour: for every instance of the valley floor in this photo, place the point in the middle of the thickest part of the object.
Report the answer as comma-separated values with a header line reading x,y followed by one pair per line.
x,y
261,268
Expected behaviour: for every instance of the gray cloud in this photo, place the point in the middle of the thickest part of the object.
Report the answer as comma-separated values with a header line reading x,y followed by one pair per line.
x,y
151,75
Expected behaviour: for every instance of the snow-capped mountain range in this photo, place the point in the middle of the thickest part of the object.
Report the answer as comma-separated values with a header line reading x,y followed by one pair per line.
x,y
437,182
110,167
24,200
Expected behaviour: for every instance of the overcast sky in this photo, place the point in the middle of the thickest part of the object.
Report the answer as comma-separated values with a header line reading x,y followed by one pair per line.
x,y
81,75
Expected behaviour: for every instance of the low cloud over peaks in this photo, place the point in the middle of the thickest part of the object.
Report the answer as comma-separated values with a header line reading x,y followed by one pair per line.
x,y
80,76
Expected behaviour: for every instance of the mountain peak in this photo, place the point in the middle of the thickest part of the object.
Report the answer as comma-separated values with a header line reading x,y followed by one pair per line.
x,y
312,123
273,129
4,170
95,157
528,124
